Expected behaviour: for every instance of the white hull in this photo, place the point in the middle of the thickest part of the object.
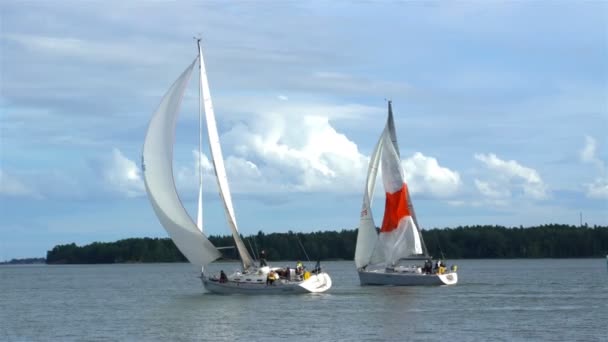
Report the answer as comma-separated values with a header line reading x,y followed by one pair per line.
x,y
382,277
255,284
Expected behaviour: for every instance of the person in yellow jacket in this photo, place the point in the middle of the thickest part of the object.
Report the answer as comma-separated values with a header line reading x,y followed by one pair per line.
x,y
270,278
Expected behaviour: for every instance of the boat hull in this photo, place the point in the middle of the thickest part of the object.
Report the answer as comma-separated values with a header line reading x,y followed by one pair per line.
x,y
381,277
317,283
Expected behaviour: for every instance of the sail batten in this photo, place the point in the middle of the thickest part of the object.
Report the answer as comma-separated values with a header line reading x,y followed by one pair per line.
x,y
218,164
157,166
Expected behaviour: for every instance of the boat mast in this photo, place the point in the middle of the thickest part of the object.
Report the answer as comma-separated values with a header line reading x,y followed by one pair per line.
x,y
199,217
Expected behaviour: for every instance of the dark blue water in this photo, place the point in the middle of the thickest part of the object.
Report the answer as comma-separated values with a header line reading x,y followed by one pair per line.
x,y
498,300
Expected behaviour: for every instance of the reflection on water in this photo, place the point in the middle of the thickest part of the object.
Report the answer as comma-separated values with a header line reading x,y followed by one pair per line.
x,y
504,299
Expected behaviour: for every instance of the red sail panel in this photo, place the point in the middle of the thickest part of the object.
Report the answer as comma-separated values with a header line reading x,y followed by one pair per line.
x,y
395,209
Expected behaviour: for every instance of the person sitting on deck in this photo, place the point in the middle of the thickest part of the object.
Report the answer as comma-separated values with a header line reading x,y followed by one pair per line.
x,y
299,268
442,268
270,278
223,277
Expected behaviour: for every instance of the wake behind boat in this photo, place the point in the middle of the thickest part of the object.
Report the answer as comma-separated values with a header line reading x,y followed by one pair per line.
x,y
390,257
189,237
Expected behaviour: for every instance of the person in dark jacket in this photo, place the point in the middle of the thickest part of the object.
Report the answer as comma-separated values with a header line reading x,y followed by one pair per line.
x,y
263,258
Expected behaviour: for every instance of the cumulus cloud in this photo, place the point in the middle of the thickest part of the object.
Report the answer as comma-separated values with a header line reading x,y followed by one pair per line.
x,y
510,174
11,186
309,155
297,148
491,190
587,154
121,175
599,187
425,175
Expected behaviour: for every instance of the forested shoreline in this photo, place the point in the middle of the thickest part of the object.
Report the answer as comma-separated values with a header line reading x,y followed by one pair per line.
x,y
469,242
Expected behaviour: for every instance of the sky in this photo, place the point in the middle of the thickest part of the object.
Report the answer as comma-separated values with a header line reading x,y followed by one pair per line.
x,y
501,110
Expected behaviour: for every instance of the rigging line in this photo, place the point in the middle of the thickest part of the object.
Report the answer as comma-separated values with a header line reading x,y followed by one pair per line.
x,y
304,249
439,245
251,247
257,255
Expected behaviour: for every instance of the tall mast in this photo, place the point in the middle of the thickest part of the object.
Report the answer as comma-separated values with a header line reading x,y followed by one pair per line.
x,y
199,217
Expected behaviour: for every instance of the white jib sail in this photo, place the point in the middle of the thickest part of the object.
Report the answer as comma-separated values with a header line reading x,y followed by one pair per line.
x,y
367,237
218,164
157,166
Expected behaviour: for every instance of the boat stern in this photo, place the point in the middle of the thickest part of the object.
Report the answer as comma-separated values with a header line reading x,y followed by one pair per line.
x,y
317,283
449,278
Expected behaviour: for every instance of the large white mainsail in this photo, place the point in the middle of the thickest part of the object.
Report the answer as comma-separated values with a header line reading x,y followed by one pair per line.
x,y
218,163
157,166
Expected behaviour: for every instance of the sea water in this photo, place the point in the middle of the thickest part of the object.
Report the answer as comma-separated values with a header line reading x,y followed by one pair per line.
x,y
498,300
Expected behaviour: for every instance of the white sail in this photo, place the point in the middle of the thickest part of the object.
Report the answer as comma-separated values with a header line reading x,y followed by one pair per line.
x,y
367,237
399,235
390,123
218,164
157,166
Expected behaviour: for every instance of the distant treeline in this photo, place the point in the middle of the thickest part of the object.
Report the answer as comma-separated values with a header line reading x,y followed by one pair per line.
x,y
24,261
546,241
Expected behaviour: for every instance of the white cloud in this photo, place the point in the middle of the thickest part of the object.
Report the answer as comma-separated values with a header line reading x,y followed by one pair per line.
x,y
309,155
351,83
11,186
511,173
599,187
91,50
296,148
282,97
587,154
122,175
425,175
491,190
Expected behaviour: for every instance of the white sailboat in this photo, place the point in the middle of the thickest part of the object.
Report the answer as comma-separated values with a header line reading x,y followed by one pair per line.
x,y
390,257
157,160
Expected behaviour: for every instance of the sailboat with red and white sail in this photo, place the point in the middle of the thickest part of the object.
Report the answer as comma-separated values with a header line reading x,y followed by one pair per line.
x,y
393,255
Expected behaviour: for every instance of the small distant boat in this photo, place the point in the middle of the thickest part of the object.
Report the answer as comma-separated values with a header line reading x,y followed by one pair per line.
x,y
393,256
157,161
